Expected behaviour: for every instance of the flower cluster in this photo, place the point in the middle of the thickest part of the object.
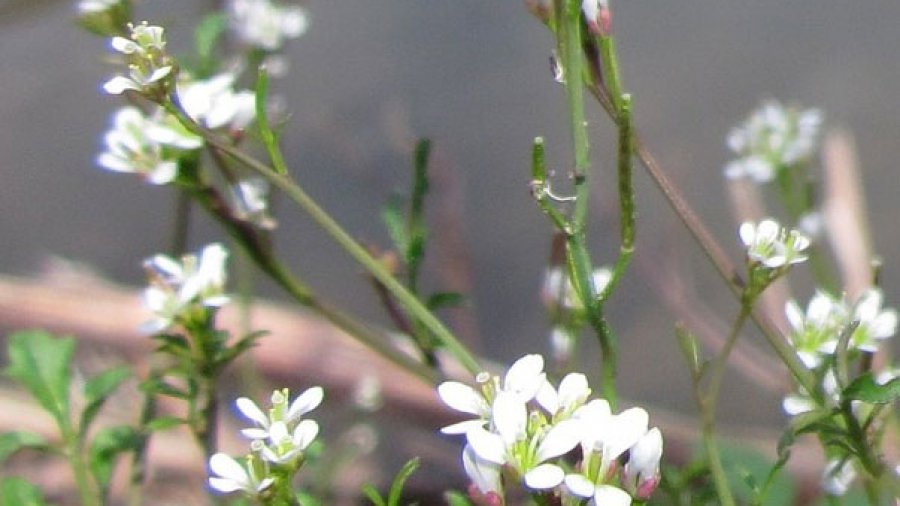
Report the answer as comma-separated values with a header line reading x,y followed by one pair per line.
x,y
771,246
180,289
816,332
265,24
279,439
148,63
524,426
149,146
214,104
772,139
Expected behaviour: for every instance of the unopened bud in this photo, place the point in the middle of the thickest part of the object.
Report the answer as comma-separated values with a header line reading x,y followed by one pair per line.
x,y
598,16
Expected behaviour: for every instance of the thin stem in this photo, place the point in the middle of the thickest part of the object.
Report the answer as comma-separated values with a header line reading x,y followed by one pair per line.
x,y
708,401
88,490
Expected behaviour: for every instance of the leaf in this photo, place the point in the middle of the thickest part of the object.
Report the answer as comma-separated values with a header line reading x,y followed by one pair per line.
x,y
165,422
43,364
455,498
397,486
392,216
866,389
106,446
445,299
97,390
745,465
226,355
162,387
16,491
373,495
12,442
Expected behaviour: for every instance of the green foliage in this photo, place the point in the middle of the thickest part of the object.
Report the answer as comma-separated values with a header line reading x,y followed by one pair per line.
x,y
396,491
866,389
98,389
207,34
42,364
12,442
455,498
755,478
19,492
106,447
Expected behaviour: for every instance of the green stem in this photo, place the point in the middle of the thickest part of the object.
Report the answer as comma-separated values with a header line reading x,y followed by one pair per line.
x,y
88,490
412,304
627,212
707,402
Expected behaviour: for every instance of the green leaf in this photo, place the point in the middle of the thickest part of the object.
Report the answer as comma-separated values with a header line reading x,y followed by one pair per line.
x,y
455,498
12,442
106,446
97,390
392,216
207,34
165,422
745,467
445,299
226,355
373,495
397,486
42,363
866,389
16,491
162,387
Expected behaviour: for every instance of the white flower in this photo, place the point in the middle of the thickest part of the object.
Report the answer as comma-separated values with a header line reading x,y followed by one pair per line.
x,y
177,287
771,245
95,6
213,102
772,139
816,331
266,25
148,63
838,476
875,323
250,201
573,392
285,445
600,495
232,476
642,469
280,411
799,403
523,379
485,475
140,145
511,443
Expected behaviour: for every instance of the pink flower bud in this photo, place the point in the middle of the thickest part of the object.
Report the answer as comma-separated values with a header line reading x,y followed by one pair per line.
x,y
598,16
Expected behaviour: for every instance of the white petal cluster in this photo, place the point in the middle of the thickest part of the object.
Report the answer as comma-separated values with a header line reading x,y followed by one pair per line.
x,y
250,199
266,24
148,63
213,102
773,138
525,425
228,475
145,145
772,246
837,476
278,439
179,287
96,6
815,333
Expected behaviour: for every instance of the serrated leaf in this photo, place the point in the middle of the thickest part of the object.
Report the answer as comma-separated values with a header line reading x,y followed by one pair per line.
x,y
106,446
12,442
392,217
19,492
866,389
42,363
397,486
445,299
98,389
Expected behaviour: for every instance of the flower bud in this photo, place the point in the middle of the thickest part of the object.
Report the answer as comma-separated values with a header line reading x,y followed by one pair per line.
x,y
598,16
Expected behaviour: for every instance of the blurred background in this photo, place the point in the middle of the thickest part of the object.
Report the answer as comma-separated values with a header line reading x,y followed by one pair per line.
x,y
370,76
